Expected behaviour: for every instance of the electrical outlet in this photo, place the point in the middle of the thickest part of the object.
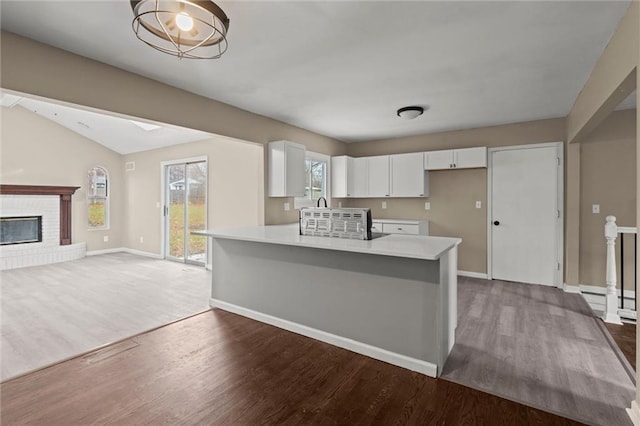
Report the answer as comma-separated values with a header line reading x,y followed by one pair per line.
x,y
287,207
427,205
595,208
340,204
106,238
384,204
478,204
142,239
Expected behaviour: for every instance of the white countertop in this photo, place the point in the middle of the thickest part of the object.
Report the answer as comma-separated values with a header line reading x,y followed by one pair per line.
x,y
410,246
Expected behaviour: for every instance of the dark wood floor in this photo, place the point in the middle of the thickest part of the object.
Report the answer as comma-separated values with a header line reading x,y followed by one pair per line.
x,y
625,337
220,368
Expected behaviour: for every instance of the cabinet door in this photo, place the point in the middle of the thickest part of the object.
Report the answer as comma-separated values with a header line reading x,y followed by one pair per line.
x,y
360,177
295,170
470,157
407,175
286,174
379,176
438,160
341,176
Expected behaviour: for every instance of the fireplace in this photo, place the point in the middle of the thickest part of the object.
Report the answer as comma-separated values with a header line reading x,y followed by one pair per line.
x,y
35,226
20,230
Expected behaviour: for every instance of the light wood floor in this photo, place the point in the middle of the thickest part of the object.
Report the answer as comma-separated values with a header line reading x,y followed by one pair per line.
x,y
539,346
53,312
218,368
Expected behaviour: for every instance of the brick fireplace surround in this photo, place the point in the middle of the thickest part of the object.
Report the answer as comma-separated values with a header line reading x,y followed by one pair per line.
x,y
53,203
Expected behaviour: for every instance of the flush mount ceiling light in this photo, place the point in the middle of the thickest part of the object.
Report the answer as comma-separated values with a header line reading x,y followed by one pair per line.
x,y
410,112
194,29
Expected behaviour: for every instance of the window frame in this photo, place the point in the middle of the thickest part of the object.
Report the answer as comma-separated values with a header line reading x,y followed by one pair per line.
x,y
105,198
299,202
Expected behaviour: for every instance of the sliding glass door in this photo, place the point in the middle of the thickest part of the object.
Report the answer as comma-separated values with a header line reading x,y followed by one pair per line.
x,y
185,211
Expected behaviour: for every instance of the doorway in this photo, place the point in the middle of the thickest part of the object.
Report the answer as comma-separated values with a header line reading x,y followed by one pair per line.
x,y
526,214
185,210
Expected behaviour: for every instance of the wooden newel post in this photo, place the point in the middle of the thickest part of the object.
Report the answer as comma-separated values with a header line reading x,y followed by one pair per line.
x,y
611,302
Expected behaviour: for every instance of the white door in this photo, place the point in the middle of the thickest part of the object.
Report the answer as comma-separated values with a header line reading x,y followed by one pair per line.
x,y
525,214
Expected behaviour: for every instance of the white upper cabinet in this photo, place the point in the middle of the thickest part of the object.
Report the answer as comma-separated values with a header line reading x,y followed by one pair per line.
x,y
360,177
438,160
379,176
286,169
456,159
342,176
470,157
408,177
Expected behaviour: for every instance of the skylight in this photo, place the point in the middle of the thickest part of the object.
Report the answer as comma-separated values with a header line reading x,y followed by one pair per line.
x,y
145,126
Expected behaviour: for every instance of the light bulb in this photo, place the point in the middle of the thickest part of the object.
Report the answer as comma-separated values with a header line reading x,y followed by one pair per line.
x,y
184,21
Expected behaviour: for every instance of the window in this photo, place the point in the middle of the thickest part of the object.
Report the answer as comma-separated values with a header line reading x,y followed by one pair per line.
x,y
317,181
98,198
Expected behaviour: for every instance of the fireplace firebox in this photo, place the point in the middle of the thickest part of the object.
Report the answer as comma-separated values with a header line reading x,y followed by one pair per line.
x,y
20,230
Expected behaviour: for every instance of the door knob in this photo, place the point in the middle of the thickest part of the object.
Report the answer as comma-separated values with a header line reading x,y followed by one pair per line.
x,y
496,223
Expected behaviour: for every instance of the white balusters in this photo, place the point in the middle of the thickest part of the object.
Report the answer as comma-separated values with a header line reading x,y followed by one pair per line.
x,y
611,303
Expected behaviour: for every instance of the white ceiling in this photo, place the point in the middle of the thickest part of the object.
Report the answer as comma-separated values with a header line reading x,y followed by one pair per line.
x,y
118,134
343,68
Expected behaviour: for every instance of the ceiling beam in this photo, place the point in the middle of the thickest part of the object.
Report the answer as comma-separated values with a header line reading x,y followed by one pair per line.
x,y
612,79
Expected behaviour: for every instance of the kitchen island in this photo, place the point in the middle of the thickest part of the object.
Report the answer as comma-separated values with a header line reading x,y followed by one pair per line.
x,y
392,298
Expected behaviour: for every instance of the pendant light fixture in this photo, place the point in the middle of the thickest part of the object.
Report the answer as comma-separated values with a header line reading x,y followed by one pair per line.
x,y
194,29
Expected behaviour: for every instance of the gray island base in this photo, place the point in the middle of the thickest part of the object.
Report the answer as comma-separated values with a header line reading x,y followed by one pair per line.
x,y
392,298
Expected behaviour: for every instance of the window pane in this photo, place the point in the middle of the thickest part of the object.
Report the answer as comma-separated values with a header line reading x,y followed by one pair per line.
x,y
318,180
307,183
97,198
97,213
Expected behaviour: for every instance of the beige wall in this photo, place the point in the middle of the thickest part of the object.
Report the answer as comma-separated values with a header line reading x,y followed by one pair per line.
x,y
34,68
608,178
453,193
611,80
235,188
36,151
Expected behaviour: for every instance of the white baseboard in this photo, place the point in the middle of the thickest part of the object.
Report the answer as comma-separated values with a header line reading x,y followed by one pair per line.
x,y
628,294
105,251
124,250
143,253
473,274
404,361
571,288
634,413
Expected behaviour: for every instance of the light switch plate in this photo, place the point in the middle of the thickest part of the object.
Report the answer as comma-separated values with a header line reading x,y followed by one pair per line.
x,y
384,204
427,205
595,208
287,207
478,204
340,204
106,238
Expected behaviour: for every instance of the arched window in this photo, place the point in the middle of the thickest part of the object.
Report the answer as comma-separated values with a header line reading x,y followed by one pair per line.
x,y
98,198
